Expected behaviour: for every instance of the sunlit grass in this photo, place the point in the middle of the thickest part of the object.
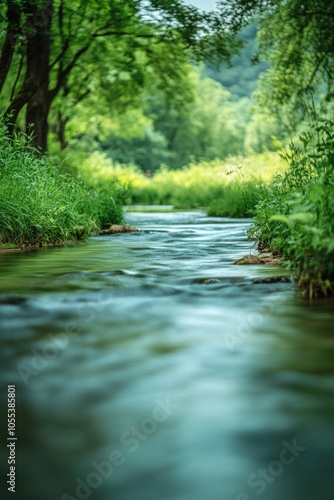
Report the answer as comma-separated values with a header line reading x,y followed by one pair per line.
x,y
225,188
40,206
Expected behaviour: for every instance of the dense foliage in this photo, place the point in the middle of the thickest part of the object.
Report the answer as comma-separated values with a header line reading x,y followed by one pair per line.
x,y
201,120
230,188
295,216
207,126
296,39
55,54
40,206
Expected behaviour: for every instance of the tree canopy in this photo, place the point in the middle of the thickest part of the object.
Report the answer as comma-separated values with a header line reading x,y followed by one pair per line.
x,y
297,39
53,48
55,55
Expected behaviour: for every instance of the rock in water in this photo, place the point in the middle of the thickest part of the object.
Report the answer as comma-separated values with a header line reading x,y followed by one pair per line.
x,y
117,229
265,258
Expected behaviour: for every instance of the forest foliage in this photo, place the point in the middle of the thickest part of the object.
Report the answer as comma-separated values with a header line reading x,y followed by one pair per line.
x,y
229,188
295,214
124,78
39,206
55,54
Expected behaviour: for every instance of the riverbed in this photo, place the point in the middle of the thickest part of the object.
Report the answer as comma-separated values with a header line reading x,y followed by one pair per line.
x,y
147,366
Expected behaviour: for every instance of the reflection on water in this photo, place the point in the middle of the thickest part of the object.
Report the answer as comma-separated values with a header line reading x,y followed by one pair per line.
x,y
148,367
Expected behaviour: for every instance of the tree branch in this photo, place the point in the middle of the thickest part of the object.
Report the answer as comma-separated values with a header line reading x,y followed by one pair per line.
x,y
7,52
63,73
61,54
25,94
124,33
17,77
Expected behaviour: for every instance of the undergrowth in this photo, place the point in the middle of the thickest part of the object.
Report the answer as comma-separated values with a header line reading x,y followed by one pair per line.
x,y
295,216
224,188
40,206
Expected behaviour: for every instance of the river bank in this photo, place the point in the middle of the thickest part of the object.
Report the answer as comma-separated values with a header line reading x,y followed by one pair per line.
x,y
41,206
294,216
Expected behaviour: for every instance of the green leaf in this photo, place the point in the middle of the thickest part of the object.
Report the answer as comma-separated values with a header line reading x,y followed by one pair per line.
x,y
280,218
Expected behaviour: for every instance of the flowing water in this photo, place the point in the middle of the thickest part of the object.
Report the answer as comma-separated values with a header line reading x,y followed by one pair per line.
x,y
148,367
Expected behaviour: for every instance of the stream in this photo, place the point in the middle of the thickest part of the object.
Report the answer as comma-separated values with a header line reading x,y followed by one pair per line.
x,y
148,367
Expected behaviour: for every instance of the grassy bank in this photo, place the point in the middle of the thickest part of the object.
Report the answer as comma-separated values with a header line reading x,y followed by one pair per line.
x,y
40,206
295,216
231,188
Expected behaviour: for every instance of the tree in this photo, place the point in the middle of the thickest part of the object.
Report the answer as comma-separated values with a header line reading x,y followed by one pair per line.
x,y
208,125
209,128
13,15
297,39
61,44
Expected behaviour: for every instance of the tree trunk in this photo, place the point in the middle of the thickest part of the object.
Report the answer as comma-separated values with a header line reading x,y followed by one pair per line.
x,y
38,72
13,26
26,92
37,119
60,130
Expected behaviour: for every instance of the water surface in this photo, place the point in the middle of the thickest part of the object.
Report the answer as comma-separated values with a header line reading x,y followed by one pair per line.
x,y
149,367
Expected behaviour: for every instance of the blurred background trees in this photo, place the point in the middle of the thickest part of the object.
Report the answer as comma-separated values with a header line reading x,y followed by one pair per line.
x,y
204,113
159,82
55,53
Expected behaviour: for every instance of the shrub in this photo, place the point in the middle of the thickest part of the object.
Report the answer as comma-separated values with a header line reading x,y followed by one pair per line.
x,y
295,217
39,206
225,188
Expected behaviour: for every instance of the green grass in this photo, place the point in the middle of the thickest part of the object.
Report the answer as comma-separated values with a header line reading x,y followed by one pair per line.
x,y
295,216
40,206
224,188
237,199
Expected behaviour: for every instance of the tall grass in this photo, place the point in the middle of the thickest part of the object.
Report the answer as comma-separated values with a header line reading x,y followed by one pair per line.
x,y
40,206
295,216
225,188
230,188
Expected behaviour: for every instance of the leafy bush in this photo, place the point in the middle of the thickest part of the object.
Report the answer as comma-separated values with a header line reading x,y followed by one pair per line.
x,y
39,206
231,188
237,199
228,188
295,217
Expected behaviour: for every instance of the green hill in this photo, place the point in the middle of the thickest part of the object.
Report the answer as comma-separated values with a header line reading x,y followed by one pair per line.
x,y
241,78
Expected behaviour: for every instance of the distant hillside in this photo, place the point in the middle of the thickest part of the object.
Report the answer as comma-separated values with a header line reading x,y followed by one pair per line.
x,y
242,78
